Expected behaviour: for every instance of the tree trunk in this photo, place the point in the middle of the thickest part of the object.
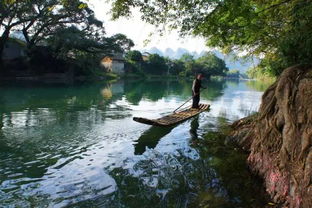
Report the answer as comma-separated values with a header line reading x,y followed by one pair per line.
x,y
3,40
279,138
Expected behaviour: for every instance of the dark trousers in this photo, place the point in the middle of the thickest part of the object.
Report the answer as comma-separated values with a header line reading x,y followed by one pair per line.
x,y
196,99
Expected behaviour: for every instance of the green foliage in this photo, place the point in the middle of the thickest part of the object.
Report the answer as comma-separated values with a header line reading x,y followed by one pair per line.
x,y
233,74
187,66
260,86
41,19
233,71
135,56
187,58
122,41
70,42
83,50
280,30
134,62
236,74
260,73
175,66
209,65
68,30
156,64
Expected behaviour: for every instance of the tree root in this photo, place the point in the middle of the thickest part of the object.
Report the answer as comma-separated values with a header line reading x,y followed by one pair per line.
x,y
280,138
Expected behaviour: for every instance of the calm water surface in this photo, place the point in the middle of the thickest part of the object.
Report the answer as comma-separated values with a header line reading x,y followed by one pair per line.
x,y
77,145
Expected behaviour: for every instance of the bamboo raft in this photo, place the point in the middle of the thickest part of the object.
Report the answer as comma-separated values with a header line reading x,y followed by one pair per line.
x,y
173,118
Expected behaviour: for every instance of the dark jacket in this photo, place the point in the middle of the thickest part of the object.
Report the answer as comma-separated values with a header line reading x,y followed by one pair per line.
x,y
196,86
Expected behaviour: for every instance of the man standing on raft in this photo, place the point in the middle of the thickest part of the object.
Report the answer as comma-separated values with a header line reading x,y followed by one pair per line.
x,y
196,90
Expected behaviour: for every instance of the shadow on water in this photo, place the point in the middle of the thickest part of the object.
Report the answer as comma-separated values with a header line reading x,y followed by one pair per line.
x,y
150,138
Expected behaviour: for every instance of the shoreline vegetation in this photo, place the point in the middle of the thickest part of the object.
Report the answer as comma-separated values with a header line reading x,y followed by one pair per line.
x,y
63,78
30,67
70,43
46,47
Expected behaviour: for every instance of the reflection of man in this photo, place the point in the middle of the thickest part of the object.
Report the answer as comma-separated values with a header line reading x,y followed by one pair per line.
x,y
194,128
196,90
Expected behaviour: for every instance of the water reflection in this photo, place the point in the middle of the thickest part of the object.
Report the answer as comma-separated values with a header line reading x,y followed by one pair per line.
x,y
155,90
194,128
258,85
150,138
77,144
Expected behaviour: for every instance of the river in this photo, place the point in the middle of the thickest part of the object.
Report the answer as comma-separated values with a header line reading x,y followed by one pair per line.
x,y
77,146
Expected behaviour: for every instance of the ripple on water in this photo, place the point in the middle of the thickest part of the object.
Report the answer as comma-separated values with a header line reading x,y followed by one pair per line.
x,y
72,148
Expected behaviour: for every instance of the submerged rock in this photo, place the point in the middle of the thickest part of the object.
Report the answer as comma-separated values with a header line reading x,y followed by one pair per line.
x,y
279,138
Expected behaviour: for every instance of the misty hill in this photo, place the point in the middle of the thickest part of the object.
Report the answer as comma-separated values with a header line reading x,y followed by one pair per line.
x,y
173,54
241,65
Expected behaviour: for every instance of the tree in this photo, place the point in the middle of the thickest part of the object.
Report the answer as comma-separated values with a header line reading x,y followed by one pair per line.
x,y
40,19
125,43
9,12
134,56
65,29
134,61
187,58
189,64
47,16
277,30
211,65
156,64
74,41
233,74
175,67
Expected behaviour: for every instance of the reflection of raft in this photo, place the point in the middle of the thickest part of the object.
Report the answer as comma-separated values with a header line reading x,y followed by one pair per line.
x,y
173,118
150,138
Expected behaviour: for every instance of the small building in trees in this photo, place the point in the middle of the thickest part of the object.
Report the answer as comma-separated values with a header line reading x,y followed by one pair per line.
x,y
115,64
145,56
14,49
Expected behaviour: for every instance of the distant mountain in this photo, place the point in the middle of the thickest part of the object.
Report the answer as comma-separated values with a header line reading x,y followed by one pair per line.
x,y
240,64
169,52
155,50
179,52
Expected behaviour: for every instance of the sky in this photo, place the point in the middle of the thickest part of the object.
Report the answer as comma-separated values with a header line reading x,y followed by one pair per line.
x,y
137,30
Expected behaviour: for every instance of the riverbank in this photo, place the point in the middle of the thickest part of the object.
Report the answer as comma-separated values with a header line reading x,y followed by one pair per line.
x,y
98,76
278,138
59,77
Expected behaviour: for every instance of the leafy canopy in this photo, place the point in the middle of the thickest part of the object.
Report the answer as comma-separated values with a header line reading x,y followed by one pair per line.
x,y
134,56
67,29
156,64
38,19
278,30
